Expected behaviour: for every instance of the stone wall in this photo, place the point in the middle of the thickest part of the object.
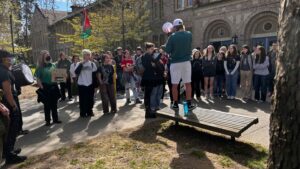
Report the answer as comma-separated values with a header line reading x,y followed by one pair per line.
x,y
221,20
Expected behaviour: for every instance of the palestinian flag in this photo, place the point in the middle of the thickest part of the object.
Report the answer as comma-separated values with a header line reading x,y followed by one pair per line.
x,y
86,26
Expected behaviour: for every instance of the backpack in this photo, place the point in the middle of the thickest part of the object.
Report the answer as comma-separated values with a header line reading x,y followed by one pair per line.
x,y
139,66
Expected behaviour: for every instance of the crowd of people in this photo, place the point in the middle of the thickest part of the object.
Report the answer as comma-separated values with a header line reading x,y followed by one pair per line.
x,y
146,73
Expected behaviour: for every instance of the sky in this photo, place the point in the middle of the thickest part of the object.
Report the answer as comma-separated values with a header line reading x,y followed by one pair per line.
x,y
60,5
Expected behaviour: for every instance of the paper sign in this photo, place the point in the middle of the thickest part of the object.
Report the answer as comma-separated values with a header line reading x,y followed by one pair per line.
x,y
59,75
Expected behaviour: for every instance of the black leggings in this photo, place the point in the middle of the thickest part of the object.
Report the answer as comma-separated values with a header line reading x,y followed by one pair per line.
x,y
196,83
50,104
86,100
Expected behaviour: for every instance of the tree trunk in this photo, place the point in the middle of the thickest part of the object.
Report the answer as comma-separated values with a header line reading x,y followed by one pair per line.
x,y
285,118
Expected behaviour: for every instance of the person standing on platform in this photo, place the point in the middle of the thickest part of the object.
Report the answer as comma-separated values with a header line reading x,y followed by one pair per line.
x,y
7,84
179,46
84,72
65,63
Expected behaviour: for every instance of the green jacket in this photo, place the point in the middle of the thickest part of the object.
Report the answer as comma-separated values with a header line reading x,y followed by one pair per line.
x,y
179,46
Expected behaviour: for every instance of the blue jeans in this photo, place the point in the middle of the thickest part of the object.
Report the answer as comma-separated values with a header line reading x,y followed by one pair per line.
x,y
131,85
155,97
219,81
231,84
260,85
271,81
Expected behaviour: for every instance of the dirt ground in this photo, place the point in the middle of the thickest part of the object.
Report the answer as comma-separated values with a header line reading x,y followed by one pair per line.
x,y
158,144
28,92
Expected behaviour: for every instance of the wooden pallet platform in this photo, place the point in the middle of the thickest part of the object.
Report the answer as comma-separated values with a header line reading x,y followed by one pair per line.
x,y
221,122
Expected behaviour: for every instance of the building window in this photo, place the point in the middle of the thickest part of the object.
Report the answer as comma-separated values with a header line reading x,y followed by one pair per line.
x,y
268,26
154,8
161,8
221,32
179,4
189,3
183,4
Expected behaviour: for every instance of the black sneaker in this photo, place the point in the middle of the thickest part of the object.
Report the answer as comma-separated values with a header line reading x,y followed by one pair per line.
x,y
175,106
57,122
128,101
15,159
17,151
48,124
113,111
191,107
138,101
62,100
23,132
150,116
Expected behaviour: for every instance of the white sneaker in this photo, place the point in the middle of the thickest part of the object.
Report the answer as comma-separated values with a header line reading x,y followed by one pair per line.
x,y
211,97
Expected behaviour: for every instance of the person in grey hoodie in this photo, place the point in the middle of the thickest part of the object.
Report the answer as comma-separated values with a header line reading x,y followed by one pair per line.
x,y
246,70
261,73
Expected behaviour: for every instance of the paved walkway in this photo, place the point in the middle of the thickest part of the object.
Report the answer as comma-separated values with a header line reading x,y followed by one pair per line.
x,y
43,139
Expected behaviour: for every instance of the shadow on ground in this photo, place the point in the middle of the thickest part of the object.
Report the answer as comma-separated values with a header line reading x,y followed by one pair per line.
x,y
192,142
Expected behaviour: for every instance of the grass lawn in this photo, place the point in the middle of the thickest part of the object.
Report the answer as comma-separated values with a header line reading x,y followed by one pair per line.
x,y
158,144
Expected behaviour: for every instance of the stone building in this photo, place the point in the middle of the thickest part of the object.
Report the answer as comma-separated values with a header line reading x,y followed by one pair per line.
x,y
219,22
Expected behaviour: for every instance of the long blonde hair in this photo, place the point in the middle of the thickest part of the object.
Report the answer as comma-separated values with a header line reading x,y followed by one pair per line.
x,y
41,58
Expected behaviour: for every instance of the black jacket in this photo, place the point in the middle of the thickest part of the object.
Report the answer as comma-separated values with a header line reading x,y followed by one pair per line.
x,y
154,71
197,71
220,70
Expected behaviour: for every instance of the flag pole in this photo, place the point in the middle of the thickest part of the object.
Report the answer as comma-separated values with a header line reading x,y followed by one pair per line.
x,y
83,43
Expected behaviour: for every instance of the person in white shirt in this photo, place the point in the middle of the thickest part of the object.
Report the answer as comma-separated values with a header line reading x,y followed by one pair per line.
x,y
74,88
84,71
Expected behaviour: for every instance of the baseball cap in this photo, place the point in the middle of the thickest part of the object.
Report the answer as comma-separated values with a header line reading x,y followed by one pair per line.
x,y
5,54
177,22
119,48
139,48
